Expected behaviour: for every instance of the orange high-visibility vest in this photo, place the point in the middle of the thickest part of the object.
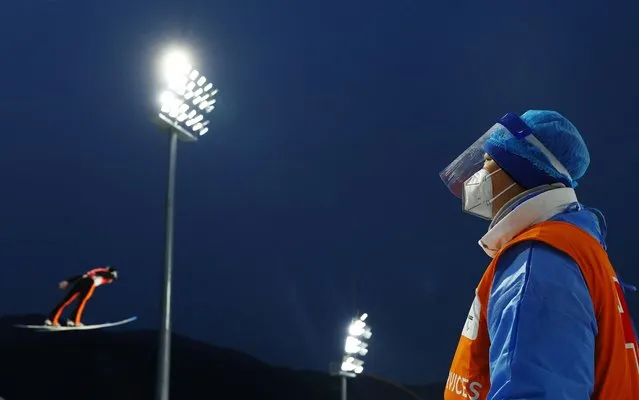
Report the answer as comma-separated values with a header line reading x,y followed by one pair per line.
x,y
616,358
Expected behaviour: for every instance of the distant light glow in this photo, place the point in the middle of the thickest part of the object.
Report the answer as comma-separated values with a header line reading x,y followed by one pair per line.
x,y
175,65
356,328
355,345
352,364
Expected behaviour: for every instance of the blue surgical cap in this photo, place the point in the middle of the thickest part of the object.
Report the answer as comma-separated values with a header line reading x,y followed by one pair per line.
x,y
527,164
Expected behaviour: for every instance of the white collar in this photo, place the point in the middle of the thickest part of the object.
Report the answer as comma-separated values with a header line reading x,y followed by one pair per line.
x,y
532,211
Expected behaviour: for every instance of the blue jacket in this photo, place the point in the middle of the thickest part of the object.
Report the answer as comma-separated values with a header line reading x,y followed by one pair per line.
x,y
541,321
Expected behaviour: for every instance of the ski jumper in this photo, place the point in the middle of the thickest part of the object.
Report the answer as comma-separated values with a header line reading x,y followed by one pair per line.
x,y
81,288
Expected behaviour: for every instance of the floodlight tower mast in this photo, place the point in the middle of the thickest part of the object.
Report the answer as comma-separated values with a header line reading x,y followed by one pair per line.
x,y
184,104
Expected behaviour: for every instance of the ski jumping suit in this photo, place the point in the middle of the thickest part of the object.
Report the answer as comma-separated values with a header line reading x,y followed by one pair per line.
x,y
81,288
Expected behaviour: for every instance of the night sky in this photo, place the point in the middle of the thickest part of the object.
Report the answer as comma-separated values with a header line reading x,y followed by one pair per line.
x,y
316,193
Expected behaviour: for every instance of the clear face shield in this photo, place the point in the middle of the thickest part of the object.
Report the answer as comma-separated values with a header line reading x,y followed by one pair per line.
x,y
471,160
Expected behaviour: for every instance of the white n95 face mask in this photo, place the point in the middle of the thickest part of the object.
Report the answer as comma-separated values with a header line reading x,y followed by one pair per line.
x,y
477,196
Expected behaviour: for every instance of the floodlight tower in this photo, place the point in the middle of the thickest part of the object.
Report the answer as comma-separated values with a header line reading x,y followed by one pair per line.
x,y
354,346
187,98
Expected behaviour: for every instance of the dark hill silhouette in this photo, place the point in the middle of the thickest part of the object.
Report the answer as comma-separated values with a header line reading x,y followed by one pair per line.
x,y
120,365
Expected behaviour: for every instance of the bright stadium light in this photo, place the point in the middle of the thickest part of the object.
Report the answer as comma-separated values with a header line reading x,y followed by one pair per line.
x,y
355,345
185,100
352,364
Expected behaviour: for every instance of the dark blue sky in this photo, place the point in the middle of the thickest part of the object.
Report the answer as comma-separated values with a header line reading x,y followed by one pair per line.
x,y
316,192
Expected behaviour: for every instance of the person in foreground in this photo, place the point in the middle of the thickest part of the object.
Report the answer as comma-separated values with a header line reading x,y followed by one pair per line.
x,y
81,287
549,319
